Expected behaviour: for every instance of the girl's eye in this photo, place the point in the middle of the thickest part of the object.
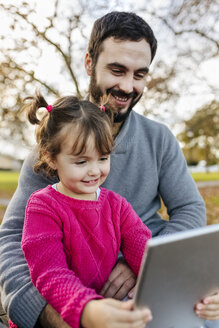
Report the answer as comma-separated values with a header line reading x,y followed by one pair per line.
x,y
105,158
80,162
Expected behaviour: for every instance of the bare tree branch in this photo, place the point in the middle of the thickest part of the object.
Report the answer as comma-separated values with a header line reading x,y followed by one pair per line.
x,y
31,74
173,74
43,35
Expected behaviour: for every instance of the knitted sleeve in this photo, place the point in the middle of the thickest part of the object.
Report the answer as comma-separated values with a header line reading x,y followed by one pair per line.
x,y
134,236
19,296
178,190
43,249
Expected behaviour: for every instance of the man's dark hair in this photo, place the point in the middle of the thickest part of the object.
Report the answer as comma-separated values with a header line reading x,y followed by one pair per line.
x,y
121,26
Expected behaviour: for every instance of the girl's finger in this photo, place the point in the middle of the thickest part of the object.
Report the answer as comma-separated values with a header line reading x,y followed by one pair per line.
x,y
208,307
211,299
135,316
208,314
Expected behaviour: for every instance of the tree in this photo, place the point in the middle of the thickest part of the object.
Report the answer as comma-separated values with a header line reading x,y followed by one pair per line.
x,y
201,135
187,37
61,30
19,61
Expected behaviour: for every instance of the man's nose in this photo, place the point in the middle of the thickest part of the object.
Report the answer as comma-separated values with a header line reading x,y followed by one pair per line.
x,y
127,84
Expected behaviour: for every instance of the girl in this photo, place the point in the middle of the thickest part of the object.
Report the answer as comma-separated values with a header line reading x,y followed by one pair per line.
x,y
73,230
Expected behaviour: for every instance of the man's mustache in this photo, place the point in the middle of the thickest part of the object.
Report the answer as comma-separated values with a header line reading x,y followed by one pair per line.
x,y
119,93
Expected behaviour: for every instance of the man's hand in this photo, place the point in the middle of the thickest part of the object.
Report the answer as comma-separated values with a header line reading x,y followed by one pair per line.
x,y
120,281
49,318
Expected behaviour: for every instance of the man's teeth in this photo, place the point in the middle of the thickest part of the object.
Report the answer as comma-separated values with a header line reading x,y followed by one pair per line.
x,y
121,98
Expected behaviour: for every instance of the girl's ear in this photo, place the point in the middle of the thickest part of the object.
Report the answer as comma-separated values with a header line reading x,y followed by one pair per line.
x,y
88,64
50,162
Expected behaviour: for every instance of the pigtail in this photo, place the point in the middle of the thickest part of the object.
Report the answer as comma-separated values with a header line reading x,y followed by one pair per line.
x,y
41,132
31,108
104,100
104,107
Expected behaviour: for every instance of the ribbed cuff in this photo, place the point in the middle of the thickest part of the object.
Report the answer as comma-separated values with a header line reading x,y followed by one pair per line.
x,y
76,315
27,308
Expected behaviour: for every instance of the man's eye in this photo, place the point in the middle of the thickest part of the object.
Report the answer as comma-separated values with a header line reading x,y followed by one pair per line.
x,y
139,76
116,71
104,158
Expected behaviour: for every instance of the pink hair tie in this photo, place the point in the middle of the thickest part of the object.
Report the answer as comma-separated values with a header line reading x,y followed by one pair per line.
x,y
102,108
49,108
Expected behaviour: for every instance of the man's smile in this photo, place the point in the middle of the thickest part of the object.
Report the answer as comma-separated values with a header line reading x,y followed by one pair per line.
x,y
120,98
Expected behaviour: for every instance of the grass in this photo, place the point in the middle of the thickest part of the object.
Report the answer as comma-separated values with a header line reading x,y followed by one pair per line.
x,y
215,200
205,176
8,181
8,184
210,194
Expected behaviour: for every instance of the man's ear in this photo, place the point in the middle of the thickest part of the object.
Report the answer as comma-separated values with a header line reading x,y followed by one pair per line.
x,y
88,64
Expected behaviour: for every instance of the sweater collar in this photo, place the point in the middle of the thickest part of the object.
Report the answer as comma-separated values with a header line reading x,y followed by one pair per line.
x,y
126,135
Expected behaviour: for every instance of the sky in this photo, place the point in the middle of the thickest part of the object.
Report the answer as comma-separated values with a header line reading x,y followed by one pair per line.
x,y
48,66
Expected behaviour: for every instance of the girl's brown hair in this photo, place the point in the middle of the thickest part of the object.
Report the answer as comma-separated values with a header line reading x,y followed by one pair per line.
x,y
67,113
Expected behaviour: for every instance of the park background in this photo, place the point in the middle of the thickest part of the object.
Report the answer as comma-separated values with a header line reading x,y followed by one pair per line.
x,y
43,44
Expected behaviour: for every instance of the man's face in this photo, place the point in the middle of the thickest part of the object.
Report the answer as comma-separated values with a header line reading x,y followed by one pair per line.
x,y
120,71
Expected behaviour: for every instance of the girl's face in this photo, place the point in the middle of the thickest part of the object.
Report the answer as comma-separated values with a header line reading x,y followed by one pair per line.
x,y
81,175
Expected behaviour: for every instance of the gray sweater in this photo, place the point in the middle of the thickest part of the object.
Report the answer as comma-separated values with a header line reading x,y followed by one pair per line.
x,y
146,165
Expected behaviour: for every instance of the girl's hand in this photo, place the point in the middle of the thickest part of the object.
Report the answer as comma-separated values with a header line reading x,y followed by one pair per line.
x,y
110,313
208,308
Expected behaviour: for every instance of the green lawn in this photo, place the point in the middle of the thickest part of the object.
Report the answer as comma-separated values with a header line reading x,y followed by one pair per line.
x,y
205,176
8,181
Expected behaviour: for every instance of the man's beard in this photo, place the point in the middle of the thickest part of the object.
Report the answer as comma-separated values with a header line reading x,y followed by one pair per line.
x,y
96,94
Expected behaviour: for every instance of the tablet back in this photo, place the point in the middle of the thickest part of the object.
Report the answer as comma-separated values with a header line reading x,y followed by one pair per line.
x,y
177,271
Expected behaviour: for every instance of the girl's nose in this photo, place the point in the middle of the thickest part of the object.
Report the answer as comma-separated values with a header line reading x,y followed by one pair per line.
x,y
94,170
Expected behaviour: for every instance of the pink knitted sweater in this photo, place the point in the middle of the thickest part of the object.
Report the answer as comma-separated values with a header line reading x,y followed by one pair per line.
x,y
72,245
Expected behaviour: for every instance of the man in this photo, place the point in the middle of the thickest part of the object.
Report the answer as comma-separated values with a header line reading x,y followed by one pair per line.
x,y
146,164
2,325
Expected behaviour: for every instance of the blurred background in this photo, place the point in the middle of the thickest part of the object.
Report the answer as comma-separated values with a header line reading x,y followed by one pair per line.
x,y
43,44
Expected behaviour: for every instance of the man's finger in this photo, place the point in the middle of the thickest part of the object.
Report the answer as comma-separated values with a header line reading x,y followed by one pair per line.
x,y
131,293
118,288
112,277
125,288
120,281
112,287
105,287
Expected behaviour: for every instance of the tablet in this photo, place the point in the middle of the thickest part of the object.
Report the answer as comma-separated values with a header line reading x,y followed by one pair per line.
x,y
176,272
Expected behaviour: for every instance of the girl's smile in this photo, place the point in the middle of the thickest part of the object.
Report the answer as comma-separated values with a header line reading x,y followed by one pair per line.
x,y
91,182
81,175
